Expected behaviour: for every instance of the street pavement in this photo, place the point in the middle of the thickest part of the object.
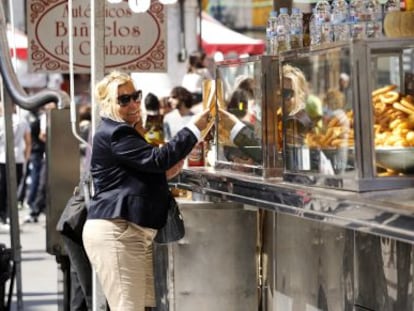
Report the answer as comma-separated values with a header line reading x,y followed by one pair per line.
x,y
41,281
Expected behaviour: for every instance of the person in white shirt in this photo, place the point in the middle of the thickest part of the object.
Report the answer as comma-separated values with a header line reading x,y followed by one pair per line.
x,y
197,72
181,101
22,149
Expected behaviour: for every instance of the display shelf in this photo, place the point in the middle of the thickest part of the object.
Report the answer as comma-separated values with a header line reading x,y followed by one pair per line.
x,y
385,213
357,137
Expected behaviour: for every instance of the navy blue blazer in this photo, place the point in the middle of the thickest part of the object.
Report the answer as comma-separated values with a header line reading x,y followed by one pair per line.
x,y
129,174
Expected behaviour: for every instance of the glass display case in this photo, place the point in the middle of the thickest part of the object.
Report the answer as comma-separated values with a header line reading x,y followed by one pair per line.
x,y
348,115
247,89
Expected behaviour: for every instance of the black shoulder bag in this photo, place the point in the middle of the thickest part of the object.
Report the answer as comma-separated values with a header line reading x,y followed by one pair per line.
x,y
174,229
75,212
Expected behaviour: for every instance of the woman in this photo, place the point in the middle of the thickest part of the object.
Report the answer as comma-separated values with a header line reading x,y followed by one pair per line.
x,y
130,200
295,94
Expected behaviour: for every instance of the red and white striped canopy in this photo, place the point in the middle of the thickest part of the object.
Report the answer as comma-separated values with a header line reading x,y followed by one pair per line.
x,y
17,39
218,38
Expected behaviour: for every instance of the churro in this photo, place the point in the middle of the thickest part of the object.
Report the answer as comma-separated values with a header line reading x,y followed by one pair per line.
x,y
383,90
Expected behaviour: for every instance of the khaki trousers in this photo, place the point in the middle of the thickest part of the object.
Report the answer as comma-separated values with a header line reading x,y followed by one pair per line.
x,y
121,254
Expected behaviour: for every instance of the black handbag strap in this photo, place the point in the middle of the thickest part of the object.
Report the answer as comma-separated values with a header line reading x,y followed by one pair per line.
x,y
86,179
86,187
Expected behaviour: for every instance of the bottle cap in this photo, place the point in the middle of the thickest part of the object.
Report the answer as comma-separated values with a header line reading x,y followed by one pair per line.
x,y
283,10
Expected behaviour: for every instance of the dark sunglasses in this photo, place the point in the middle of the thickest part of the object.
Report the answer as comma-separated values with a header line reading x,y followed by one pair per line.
x,y
287,93
125,99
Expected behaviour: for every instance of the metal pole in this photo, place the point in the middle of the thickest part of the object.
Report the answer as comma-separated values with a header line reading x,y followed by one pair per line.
x,y
72,78
12,195
200,22
11,178
97,73
182,56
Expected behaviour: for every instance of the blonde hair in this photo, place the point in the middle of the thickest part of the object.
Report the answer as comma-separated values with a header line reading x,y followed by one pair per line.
x,y
106,94
334,99
299,86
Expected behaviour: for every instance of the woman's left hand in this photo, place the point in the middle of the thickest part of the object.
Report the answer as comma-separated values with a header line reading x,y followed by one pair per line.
x,y
175,170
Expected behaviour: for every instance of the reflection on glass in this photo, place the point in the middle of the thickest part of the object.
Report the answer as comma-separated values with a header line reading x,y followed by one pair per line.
x,y
317,109
393,108
297,122
240,141
295,92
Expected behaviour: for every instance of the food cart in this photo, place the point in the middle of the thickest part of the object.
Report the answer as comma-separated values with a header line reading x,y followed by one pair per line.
x,y
335,221
299,225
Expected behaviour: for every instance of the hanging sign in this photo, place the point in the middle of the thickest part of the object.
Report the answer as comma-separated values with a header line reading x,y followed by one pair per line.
x,y
133,42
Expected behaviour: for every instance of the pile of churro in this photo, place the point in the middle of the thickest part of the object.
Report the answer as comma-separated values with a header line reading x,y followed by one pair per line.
x,y
394,117
393,123
338,132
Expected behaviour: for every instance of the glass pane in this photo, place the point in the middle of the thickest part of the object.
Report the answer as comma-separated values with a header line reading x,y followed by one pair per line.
x,y
241,150
393,103
318,113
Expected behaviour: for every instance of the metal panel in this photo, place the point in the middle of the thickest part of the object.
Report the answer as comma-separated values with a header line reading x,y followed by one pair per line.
x,y
214,266
386,213
384,273
63,167
267,277
314,269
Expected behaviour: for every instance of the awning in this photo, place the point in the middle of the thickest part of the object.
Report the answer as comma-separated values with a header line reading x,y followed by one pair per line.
x,y
18,39
218,38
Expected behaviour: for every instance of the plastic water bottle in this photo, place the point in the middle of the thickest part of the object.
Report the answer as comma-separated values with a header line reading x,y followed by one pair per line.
x,y
314,29
373,26
392,5
323,19
356,17
271,42
296,28
283,30
340,17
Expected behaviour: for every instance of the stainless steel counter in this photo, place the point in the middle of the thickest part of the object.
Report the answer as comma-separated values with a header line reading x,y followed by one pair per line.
x,y
384,213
